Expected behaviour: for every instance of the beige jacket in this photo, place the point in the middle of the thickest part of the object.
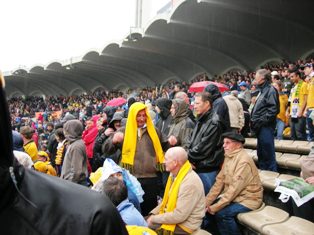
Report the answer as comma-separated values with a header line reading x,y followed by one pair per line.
x,y
236,114
238,181
190,208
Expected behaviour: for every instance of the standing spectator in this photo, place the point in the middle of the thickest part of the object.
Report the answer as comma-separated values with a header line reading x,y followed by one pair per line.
x,y
298,98
235,112
181,126
163,106
52,142
23,158
75,160
61,149
219,106
205,150
89,135
281,117
29,145
309,73
245,92
183,96
263,120
142,153
238,187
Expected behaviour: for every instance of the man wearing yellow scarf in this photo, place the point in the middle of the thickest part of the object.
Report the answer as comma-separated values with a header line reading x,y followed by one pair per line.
x,y
142,153
183,206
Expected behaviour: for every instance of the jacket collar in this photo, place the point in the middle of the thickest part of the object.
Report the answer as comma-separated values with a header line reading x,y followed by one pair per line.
x,y
205,116
233,153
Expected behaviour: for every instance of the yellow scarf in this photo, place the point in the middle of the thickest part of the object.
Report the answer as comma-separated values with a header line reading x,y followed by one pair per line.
x,y
130,138
169,202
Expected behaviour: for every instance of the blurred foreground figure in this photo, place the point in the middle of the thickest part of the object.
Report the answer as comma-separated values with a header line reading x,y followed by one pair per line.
x,y
35,203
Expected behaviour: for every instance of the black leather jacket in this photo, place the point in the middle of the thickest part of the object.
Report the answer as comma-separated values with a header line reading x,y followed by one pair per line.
x,y
205,149
266,108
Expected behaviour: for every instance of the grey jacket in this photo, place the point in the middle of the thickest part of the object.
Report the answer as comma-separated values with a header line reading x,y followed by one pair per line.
x,y
75,160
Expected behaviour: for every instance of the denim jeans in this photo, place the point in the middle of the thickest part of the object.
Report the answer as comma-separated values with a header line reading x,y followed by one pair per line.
x,y
225,219
310,126
280,126
298,128
208,180
266,149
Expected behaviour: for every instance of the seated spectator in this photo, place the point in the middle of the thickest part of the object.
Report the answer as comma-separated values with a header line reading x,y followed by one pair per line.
x,y
306,211
43,164
111,169
117,192
29,145
237,189
183,206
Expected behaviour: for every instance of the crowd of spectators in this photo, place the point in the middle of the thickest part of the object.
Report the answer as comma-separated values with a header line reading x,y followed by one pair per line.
x,y
72,136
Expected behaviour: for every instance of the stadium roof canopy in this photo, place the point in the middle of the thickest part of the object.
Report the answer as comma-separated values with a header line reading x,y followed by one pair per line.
x,y
211,36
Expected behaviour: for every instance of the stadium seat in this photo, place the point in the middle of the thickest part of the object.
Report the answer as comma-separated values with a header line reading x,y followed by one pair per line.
x,y
286,177
201,232
303,147
287,157
292,226
256,220
268,179
250,143
285,146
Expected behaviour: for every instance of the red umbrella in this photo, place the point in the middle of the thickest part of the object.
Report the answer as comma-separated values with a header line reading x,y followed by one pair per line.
x,y
200,86
116,102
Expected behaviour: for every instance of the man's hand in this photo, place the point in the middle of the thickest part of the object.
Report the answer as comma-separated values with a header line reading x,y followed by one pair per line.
x,y
109,131
172,140
149,221
210,211
118,138
310,180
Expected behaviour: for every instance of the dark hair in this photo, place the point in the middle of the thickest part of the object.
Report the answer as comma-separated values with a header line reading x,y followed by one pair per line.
x,y
205,96
59,133
116,190
50,124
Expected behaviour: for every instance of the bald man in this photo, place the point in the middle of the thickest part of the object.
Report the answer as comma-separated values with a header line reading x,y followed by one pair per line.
x,y
183,206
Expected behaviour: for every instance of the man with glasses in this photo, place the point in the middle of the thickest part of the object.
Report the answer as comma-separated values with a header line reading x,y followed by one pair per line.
x,y
237,189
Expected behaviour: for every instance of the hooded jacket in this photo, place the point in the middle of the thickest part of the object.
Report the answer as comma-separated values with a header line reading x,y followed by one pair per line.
x,y
219,106
75,160
163,124
181,126
26,196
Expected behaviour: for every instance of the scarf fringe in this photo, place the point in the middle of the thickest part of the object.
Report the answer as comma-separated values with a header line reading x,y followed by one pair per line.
x,y
128,167
160,167
162,231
